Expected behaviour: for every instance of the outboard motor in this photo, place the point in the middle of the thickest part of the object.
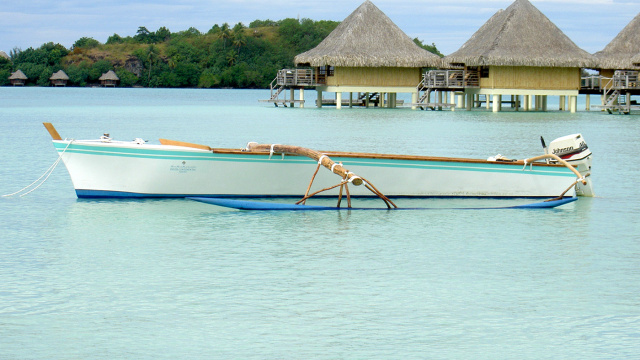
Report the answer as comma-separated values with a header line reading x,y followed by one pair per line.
x,y
574,150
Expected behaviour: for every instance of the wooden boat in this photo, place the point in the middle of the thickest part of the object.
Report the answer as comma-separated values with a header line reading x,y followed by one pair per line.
x,y
107,168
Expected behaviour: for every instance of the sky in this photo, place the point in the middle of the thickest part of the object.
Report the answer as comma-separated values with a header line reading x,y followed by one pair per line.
x,y
591,24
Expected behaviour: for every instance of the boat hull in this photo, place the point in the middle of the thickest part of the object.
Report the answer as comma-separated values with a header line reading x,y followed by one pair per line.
x,y
128,169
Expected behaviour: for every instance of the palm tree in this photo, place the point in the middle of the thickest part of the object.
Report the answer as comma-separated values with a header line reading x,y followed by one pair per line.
x,y
232,57
152,58
239,41
225,33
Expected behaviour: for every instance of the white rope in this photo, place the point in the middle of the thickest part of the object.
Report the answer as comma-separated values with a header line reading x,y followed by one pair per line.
x,y
48,173
320,159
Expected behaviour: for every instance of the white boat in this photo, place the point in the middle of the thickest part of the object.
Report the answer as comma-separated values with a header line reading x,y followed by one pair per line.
x,y
106,168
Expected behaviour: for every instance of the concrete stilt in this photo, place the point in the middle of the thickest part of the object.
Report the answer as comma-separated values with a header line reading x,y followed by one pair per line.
x,y
338,100
319,99
497,102
292,96
573,103
588,106
301,98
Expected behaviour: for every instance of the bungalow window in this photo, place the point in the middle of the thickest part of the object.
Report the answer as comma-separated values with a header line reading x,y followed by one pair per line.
x,y
484,72
326,70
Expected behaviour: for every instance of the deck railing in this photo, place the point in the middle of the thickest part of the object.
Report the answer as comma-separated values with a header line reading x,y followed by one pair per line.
x,y
451,79
625,80
295,77
591,82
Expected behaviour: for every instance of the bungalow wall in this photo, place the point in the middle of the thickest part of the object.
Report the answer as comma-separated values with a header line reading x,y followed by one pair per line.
x,y
382,76
532,78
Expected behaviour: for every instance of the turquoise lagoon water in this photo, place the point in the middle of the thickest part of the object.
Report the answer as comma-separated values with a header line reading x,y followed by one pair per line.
x,y
176,279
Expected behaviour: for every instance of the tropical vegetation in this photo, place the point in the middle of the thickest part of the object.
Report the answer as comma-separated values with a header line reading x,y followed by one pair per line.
x,y
224,56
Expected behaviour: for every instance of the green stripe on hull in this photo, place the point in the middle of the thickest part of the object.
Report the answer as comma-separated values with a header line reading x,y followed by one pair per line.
x,y
349,162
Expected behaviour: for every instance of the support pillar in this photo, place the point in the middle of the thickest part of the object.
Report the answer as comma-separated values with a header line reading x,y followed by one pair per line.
x,y
414,100
338,100
544,103
452,100
366,100
350,100
562,102
588,99
292,97
319,99
439,99
497,102
573,103
470,99
301,97
487,99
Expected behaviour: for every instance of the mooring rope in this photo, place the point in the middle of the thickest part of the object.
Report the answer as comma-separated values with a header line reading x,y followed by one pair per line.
x,y
46,175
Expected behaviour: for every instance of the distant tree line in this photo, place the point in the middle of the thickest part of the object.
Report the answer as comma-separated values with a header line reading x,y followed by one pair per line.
x,y
224,56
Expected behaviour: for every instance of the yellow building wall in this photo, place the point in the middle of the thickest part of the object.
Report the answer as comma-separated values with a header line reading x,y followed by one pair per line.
x,y
384,76
532,78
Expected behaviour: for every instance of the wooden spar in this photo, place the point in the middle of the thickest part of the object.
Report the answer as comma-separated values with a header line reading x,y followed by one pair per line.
x,y
558,159
322,159
185,144
52,131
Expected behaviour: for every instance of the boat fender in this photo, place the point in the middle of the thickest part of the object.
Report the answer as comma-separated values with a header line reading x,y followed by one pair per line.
x,y
139,141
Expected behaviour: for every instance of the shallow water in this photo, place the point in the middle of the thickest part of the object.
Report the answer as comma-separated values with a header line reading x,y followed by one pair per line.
x,y
150,279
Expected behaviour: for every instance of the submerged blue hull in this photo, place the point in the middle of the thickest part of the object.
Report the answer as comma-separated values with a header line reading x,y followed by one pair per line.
x,y
263,205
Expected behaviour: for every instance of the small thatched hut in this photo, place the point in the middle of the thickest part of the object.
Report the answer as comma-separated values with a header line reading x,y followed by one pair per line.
x,y
367,53
623,52
59,78
4,55
519,51
109,79
18,78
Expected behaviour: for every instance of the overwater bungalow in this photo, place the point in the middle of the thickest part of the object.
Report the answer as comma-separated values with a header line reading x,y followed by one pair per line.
x,y
18,78
109,79
619,64
59,78
367,55
519,53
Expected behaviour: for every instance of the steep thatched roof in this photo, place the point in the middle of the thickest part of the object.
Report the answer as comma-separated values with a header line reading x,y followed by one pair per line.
x,y
4,55
619,52
520,35
109,75
368,38
18,75
60,75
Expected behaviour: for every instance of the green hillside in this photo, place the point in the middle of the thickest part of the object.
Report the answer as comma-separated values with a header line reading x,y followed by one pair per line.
x,y
224,56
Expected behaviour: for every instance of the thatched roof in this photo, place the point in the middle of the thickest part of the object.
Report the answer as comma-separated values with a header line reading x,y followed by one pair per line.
x,y
636,60
18,75
109,75
4,55
368,38
619,52
520,35
60,75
